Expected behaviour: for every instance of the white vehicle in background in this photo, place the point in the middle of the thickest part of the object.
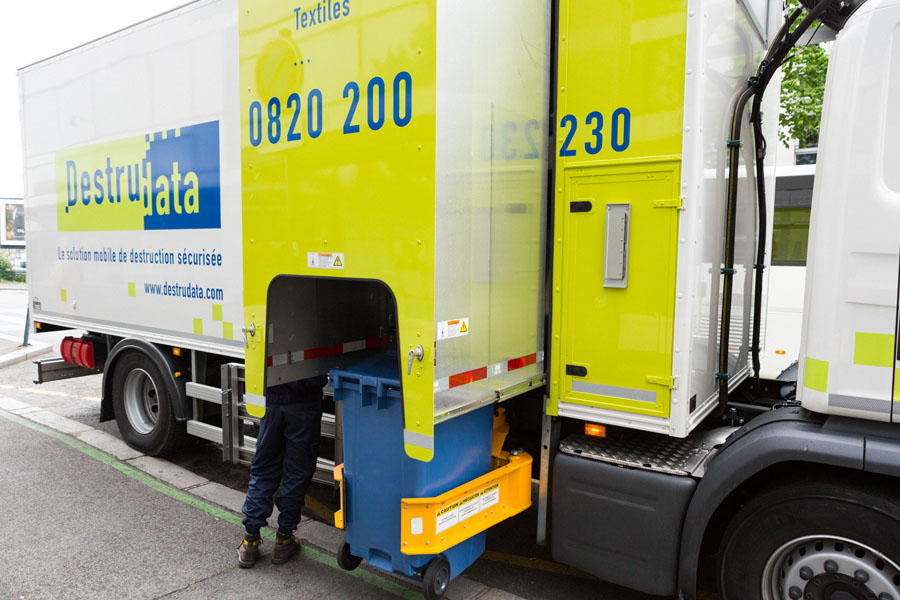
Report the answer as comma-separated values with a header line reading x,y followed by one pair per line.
x,y
787,275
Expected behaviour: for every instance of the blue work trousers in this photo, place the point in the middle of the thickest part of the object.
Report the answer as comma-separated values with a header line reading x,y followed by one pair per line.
x,y
286,452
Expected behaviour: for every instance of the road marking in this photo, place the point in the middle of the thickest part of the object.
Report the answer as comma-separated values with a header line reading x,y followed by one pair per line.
x,y
220,513
319,509
535,563
47,392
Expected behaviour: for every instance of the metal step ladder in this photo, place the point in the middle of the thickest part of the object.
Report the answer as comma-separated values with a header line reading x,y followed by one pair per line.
x,y
237,447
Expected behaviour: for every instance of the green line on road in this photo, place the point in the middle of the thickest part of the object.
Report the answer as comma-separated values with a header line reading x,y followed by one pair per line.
x,y
322,557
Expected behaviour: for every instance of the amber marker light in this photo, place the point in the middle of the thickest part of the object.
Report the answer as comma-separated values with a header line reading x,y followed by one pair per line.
x,y
595,430
779,352
176,351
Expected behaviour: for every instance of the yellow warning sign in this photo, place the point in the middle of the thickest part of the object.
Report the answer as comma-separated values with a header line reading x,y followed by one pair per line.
x,y
325,260
453,328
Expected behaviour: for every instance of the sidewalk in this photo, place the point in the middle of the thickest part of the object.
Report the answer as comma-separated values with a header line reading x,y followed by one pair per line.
x,y
12,352
147,528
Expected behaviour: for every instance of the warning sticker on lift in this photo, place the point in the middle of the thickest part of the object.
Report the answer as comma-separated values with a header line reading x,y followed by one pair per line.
x,y
446,517
452,329
325,260
459,511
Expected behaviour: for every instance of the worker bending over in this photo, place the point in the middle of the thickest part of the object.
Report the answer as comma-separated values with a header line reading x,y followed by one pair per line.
x,y
286,453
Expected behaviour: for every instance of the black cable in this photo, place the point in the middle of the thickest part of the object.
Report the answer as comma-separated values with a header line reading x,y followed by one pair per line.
x,y
760,143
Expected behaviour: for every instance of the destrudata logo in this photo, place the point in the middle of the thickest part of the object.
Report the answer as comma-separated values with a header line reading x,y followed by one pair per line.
x,y
163,180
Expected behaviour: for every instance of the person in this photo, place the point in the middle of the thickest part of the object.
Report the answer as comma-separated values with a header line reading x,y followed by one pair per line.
x,y
286,453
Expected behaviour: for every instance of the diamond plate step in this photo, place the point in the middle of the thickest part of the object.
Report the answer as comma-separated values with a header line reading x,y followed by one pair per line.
x,y
649,451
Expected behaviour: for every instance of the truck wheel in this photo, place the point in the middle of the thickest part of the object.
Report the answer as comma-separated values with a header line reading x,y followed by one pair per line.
x,y
143,407
345,560
437,578
816,541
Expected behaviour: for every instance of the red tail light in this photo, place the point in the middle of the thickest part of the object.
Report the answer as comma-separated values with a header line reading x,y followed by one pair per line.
x,y
85,355
65,349
78,352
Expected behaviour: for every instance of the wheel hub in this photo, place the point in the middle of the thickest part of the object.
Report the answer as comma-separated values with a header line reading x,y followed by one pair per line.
x,y
141,401
441,580
837,587
830,568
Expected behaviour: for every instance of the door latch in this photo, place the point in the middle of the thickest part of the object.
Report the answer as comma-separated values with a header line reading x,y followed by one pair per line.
x,y
248,330
414,353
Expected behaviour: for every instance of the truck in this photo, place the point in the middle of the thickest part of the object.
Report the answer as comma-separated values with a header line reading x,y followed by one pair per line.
x,y
560,209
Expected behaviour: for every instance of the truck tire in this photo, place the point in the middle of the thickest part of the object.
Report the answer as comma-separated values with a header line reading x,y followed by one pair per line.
x,y
143,408
817,540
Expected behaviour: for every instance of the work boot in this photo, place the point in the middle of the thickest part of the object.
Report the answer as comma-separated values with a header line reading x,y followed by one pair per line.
x,y
248,551
286,545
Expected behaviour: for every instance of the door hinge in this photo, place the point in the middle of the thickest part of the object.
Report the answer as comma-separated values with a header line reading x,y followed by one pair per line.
x,y
676,203
668,382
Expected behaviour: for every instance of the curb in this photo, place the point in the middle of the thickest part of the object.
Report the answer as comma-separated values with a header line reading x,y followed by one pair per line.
x,y
13,286
17,356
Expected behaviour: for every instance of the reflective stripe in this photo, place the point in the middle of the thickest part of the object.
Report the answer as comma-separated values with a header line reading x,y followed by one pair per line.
x,y
445,383
255,400
420,440
815,375
613,391
354,346
296,356
875,405
873,349
468,377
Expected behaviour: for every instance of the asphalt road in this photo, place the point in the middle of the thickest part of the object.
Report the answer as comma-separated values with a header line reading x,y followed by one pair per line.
x,y
84,526
80,529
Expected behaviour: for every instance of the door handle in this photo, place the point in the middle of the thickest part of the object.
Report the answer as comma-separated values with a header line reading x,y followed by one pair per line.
x,y
248,330
417,352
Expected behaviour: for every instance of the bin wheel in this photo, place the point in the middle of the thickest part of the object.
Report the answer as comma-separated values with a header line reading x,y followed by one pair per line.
x,y
437,578
345,560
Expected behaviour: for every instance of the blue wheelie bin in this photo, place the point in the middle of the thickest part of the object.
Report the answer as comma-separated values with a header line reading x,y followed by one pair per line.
x,y
377,473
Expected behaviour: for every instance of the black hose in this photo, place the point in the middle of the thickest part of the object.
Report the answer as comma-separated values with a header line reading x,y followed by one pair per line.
x,y
760,142
730,224
784,41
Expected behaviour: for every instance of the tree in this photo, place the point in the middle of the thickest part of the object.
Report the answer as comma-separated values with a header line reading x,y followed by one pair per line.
x,y
802,92
6,272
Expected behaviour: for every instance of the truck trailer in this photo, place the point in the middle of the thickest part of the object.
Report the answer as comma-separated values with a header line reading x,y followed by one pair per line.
x,y
528,242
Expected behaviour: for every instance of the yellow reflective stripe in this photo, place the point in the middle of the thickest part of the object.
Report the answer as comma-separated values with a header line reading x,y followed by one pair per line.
x,y
873,349
896,385
816,375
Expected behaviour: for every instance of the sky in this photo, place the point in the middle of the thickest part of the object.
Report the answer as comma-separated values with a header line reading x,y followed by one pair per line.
x,y
32,30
